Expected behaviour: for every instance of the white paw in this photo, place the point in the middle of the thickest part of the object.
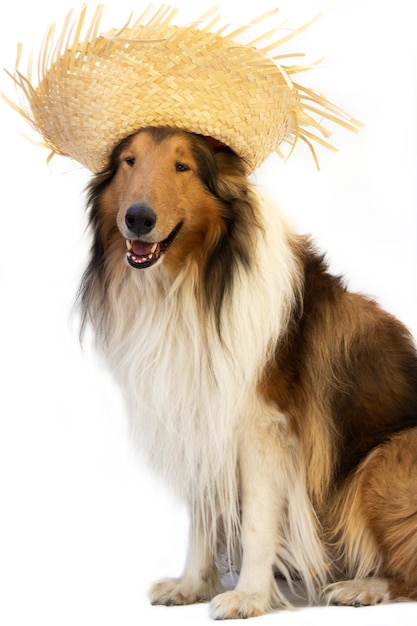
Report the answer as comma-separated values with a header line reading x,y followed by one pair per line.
x,y
238,605
176,591
360,592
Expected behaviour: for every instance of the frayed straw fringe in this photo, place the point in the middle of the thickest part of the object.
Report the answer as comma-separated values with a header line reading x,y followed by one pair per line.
x,y
70,62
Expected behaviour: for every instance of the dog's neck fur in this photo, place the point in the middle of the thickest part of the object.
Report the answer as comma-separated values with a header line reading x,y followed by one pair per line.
x,y
185,385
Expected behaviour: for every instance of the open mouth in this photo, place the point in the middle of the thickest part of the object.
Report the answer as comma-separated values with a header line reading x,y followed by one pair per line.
x,y
142,254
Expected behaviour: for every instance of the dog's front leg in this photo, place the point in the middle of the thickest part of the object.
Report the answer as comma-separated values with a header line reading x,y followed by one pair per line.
x,y
199,581
262,496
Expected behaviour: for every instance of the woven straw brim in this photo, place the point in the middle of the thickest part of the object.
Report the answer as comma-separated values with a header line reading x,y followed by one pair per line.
x,y
90,94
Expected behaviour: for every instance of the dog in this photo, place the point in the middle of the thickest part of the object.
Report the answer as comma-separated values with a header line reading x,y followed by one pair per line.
x,y
279,406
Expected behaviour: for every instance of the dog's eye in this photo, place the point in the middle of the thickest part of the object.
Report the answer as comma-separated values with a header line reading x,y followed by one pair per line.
x,y
130,161
181,167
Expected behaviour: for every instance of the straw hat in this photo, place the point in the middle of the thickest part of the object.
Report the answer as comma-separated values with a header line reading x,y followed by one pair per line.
x,y
95,89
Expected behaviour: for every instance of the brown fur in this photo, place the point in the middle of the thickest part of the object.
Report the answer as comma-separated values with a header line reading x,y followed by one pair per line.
x,y
346,360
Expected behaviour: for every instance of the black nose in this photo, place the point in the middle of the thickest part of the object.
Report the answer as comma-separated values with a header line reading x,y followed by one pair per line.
x,y
140,219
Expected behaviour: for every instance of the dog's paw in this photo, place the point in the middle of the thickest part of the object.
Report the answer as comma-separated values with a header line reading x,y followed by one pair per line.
x,y
178,591
360,592
238,605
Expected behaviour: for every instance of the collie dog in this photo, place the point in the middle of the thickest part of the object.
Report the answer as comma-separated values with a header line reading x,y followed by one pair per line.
x,y
280,407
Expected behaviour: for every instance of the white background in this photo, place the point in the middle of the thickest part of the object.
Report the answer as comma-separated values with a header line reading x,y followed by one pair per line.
x,y
84,528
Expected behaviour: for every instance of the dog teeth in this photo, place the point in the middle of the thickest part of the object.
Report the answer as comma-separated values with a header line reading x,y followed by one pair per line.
x,y
128,244
154,247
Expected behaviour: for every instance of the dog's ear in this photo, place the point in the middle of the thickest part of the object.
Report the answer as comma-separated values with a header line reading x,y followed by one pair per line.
x,y
221,170
230,181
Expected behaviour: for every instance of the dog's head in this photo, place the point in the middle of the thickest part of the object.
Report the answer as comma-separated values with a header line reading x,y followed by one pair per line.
x,y
174,201
170,193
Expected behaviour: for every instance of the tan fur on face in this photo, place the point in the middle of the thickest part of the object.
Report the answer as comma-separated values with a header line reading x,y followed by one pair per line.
x,y
175,196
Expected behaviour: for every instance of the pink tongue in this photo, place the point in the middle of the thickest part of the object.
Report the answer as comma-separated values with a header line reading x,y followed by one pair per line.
x,y
141,248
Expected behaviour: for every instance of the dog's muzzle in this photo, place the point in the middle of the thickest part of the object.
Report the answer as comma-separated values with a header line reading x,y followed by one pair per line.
x,y
140,220
143,254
